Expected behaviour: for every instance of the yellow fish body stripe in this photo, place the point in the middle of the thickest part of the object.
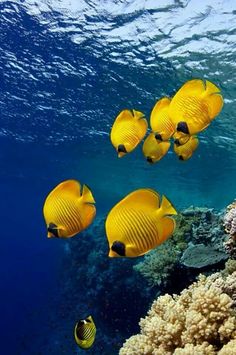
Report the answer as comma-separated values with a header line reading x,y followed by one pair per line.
x,y
127,134
136,229
195,111
68,214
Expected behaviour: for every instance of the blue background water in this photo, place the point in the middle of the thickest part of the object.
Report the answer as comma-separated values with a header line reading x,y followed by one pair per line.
x,y
67,69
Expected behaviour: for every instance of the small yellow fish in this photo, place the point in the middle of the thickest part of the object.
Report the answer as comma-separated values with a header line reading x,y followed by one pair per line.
x,y
68,209
139,223
181,138
153,149
127,131
85,332
194,106
186,150
160,121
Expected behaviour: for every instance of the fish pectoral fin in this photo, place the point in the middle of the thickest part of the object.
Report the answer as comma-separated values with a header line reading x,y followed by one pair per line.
x,y
167,207
87,195
168,227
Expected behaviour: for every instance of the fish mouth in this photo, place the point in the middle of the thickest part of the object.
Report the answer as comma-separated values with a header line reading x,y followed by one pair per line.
x,y
121,154
112,254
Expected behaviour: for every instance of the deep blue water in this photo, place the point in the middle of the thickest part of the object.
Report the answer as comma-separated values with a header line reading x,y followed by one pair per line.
x,y
66,70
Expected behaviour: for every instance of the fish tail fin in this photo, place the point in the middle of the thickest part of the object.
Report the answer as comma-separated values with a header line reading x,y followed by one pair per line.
x,y
211,88
167,207
137,114
87,194
168,227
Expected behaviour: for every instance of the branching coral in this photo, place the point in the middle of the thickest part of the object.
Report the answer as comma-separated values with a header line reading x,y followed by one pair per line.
x,y
201,320
230,228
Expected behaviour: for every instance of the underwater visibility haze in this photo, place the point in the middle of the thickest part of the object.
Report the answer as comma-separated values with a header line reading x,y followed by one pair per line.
x,y
68,68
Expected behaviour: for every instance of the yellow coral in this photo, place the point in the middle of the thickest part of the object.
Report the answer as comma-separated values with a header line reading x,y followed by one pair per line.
x,y
190,349
201,320
228,349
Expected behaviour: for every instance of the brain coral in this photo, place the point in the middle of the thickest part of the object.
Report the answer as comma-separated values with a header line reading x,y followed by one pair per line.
x,y
201,320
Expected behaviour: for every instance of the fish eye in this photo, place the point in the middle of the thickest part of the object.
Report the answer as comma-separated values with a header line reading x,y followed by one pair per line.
x,y
88,320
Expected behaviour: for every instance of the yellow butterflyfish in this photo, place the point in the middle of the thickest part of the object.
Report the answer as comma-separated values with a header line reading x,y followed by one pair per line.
x,y
85,332
139,223
194,106
186,150
153,149
127,131
160,121
68,209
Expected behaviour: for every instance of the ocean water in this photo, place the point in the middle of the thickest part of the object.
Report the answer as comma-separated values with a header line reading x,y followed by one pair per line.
x,y
67,68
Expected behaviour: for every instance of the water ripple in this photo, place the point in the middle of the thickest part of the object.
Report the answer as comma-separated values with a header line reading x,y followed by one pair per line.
x,y
70,66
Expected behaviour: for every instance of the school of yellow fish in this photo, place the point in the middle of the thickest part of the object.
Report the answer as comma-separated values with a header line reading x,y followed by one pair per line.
x,y
141,220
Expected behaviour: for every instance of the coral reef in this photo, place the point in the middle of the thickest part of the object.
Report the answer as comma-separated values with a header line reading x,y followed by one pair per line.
x,y
201,320
200,255
230,228
158,264
194,226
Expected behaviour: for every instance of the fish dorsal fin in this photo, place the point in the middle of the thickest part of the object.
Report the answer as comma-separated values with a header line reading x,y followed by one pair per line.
x,y
125,115
160,105
167,207
71,187
192,87
168,224
87,195
143,197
